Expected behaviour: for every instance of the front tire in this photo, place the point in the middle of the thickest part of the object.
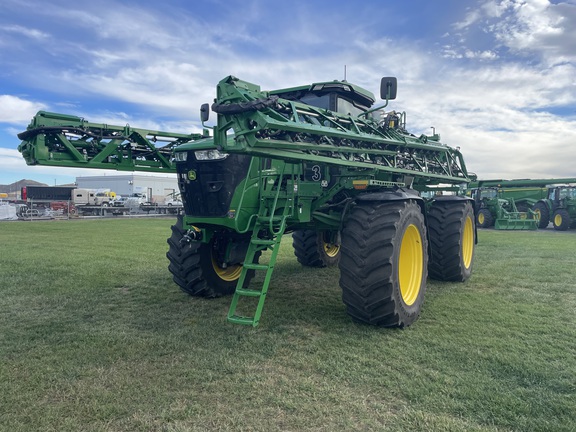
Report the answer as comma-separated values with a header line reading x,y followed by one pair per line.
x,y
484,218
383,267
452,240
314,248
541,210
195,269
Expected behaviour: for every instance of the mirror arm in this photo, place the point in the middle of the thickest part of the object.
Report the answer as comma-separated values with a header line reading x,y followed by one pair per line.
x,y
204,115
374,109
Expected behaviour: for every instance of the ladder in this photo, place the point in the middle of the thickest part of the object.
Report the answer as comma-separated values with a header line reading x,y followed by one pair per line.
x,y
267,233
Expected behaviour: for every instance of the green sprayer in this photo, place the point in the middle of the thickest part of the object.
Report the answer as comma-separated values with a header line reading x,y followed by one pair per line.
x,y
318,161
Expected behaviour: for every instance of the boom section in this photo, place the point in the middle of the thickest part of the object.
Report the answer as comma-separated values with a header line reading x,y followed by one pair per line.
x,y
519,183
65,140
267,125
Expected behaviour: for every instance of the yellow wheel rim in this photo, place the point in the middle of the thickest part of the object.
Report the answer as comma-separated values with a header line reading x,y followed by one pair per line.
x,y
331,249
228,274
558,220
537,213
410,265
481,218
468,242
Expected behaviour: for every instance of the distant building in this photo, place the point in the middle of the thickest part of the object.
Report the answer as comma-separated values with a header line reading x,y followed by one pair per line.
x,y
155,188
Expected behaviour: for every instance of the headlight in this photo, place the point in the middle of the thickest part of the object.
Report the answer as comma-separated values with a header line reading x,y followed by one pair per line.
x,y
203,155
181,156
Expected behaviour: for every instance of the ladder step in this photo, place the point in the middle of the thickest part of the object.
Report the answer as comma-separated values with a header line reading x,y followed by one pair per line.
x,y
236,319
263,242
267,219
248,292
250,266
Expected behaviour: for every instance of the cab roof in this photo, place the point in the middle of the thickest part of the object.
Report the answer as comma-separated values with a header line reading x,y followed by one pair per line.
x,y
344,88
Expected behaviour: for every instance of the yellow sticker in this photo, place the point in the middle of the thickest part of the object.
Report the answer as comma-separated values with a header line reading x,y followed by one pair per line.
x,y
192,175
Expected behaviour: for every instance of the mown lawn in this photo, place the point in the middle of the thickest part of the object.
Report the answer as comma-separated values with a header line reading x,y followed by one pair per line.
x,y
95,336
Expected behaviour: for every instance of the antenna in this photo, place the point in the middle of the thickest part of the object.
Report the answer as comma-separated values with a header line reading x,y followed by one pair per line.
x,y
344,72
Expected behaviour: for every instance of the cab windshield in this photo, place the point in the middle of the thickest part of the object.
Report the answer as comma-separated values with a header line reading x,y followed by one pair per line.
x,y
333,102
488,193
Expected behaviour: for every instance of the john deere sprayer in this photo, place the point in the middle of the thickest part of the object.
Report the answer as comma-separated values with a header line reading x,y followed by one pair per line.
x,y
317,161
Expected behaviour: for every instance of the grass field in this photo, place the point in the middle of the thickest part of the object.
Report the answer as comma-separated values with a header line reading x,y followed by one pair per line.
x,y
95,336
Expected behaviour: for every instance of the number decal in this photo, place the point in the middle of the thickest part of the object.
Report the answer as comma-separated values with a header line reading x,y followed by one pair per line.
x,y
317,176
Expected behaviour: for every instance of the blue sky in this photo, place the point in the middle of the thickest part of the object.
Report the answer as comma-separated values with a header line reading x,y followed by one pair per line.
x,y
496,78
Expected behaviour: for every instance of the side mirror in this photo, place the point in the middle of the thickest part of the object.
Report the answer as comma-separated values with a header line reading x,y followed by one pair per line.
x,y
204,112
388,88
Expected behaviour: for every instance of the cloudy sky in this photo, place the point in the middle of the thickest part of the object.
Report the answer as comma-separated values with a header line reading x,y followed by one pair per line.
x,y
496,78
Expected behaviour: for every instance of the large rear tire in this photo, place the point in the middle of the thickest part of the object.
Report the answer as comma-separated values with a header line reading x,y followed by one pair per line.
x,y
452,240
561,220
384,263
543,214
314,248
195,269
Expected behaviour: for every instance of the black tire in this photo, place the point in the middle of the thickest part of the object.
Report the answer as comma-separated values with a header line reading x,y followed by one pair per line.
x,y
383,266
194,270
561,220
452,240
312,249
541,210
104,204
484,218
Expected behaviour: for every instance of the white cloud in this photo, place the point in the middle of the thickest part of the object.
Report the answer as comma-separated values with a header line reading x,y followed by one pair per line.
x,y
482,55
538,26
10,158
31,33
536,29
16,110
471,18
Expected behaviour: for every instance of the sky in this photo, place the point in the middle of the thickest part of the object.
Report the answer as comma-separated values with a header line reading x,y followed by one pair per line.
x,y
496,78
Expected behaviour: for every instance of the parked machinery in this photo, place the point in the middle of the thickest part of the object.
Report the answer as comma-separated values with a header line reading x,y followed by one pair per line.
x,y
559,207
524,203
316,160
495,208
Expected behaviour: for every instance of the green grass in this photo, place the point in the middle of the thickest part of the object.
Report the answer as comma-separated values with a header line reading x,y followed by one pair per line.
x,y
95,336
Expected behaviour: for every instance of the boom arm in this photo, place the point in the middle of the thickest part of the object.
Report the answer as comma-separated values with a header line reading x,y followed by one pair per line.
x,y
64,140
521,182
269,126
255,122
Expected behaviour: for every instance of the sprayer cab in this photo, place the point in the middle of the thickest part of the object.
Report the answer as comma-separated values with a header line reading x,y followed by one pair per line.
x,y
336,96
339,96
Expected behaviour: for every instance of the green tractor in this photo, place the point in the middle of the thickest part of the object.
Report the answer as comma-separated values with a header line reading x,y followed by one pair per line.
x,y
512,201
559,207
492,209
318,161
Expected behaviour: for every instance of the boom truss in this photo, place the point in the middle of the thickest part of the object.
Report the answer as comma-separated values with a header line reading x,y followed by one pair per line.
x,y
269,126
70,141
